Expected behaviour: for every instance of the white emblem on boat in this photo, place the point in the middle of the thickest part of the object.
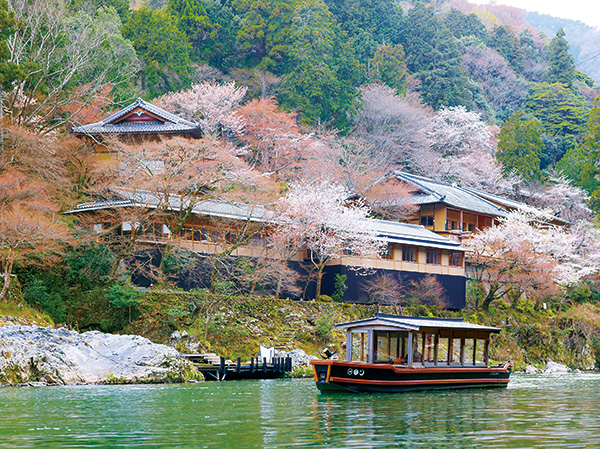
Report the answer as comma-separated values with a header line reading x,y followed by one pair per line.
x,y
349,371
361,372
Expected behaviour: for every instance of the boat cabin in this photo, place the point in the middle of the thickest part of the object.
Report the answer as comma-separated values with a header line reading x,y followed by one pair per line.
x,y
413,342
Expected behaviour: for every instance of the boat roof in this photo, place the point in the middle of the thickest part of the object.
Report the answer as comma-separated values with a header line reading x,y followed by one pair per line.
x,y
415,323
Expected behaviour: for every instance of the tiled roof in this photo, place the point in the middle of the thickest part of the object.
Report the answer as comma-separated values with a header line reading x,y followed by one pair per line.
x,y
410,234
415,323
170,124
511,204
212,208
389,231
431,192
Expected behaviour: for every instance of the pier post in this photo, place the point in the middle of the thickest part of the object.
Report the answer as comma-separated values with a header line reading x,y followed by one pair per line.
x,y
239,363
251,364
264,364
222,369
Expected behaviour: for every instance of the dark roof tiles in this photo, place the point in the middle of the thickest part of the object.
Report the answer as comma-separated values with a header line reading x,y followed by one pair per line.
x,y
168,123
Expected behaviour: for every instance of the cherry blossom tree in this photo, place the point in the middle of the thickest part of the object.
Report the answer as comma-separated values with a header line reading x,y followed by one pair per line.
x,y
526,254
349,161
210,104
455,131
565,199
385,289
393,124
174,176
316,216
274,139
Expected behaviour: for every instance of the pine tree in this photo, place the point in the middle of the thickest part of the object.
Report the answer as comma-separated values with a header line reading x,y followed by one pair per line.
x,y
432,55
321,83
561,68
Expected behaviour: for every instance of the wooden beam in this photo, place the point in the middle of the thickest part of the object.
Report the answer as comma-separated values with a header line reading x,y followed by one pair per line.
x,y
349,345
410,349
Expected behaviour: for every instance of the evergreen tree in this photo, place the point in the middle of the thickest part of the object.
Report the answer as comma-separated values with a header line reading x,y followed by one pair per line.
x,y
563,115
164,51
520,146
561,68
561,111
388,67
321,84
463,25
9,71
191,18
369,23
581,164
505,42
432,55
263,37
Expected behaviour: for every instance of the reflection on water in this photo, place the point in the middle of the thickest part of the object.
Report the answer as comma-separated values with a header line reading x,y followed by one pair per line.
x,y
539,411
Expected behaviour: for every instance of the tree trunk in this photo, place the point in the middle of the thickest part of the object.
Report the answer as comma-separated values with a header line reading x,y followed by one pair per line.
x,y
319,282
263,84
7,272
278,289
491,295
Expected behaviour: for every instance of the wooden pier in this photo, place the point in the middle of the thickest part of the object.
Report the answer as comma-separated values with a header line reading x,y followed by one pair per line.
x,y
224,370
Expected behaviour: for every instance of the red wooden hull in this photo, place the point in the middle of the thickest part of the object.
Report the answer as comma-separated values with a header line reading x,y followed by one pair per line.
x,y
362,377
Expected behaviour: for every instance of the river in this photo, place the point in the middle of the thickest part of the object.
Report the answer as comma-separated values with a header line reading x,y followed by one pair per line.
x,y
536,411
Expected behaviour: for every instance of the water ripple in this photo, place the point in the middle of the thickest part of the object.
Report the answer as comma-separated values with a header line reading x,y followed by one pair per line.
x,y
540,411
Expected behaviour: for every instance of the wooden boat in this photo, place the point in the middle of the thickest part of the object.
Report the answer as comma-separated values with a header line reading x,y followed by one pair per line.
x,y
390,353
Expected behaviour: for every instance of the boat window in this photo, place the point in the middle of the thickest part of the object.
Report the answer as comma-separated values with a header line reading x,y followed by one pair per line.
x,y
390,347
469,356
480,351
417,347
428,349
443,350
455,350
359,346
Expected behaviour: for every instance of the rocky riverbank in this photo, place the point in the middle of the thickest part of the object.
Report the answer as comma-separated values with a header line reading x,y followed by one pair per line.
x,y
44,355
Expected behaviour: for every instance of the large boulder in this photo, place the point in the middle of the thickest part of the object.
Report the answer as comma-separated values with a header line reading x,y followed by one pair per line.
x,y
555,368
63,356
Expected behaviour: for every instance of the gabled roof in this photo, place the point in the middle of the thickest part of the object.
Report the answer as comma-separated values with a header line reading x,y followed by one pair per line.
x,y
157,121
432,192
410,234
143,198
414,323
511,204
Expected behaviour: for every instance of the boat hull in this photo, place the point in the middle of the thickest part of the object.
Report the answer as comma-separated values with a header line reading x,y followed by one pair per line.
x,y
361,377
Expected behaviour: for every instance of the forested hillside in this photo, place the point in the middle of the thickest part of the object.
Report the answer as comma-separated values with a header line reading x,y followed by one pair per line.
x,y
288,93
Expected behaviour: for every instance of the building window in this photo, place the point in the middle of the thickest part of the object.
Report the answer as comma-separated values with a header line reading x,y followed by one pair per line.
x,y
455,258
409,253
387,252
427,221
434,256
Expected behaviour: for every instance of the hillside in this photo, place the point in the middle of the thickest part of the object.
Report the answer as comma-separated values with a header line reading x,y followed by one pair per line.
x,y
584,40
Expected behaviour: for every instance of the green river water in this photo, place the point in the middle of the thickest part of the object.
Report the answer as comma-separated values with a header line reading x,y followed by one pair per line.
x,y
540,411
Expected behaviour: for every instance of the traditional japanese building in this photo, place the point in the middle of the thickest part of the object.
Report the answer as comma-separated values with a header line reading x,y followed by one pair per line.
x,y
138,122
413,252
453,211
